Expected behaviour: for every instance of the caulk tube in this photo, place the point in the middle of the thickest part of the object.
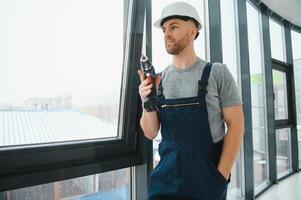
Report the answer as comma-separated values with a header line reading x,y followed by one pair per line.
x,y
151,103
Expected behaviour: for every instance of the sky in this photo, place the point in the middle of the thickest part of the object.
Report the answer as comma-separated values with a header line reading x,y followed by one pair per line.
x,y
58,47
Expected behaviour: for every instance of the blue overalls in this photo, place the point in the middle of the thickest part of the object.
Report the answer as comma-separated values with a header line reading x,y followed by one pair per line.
x,y
187,168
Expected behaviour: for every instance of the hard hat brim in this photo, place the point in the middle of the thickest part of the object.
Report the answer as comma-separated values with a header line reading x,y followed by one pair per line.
x,y
157,23
182,9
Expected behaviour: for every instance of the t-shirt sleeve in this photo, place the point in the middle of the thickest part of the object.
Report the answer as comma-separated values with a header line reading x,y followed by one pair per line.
x,y
228,90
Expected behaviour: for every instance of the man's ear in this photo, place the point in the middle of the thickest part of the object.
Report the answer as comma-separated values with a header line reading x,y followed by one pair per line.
x,y
194,31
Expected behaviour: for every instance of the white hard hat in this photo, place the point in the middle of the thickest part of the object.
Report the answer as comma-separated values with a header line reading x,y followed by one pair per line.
x,y
181,9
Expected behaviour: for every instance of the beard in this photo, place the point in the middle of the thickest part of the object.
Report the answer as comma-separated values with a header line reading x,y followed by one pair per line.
x,y
174,47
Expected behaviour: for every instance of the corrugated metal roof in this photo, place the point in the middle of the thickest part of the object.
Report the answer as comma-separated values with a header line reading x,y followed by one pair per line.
x,y
19,127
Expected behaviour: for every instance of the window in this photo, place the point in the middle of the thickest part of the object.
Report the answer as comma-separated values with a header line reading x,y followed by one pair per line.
x,y
296,44
229,37
282,102
283,151
280,92
57,57
230,56
277,41
60,78
258,100
108,185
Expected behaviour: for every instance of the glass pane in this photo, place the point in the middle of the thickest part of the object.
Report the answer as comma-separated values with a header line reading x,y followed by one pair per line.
x,y
108,185
277,41
296,44
161,59
283,151
59,81
258,94
235,188
229,39
280,91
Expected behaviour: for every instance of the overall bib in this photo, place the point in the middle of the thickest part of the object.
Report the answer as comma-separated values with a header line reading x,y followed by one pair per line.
x,y
189,158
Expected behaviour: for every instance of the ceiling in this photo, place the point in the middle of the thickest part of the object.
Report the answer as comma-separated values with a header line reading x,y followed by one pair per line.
x,y
288,9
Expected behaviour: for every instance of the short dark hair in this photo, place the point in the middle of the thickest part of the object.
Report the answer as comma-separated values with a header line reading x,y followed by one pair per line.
x,y
185,18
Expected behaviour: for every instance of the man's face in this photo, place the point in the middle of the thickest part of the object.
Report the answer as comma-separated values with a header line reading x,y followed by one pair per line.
x,y
177,35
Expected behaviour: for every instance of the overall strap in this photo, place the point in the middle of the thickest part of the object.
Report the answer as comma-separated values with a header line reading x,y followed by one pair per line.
x,y
202,84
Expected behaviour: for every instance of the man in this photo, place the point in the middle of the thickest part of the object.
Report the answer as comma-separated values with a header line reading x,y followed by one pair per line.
x,y
196,98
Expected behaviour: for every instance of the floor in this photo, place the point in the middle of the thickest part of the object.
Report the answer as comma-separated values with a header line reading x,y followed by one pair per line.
x,y
287,189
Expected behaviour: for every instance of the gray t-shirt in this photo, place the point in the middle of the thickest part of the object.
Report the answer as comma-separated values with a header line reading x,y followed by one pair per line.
x,y
222,90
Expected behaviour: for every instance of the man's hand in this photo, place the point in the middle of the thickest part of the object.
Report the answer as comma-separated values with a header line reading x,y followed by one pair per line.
x,y
233,116
224,172
149,120
145,87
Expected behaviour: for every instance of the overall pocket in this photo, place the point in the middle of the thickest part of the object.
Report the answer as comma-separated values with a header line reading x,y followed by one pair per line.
x,y
217,174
